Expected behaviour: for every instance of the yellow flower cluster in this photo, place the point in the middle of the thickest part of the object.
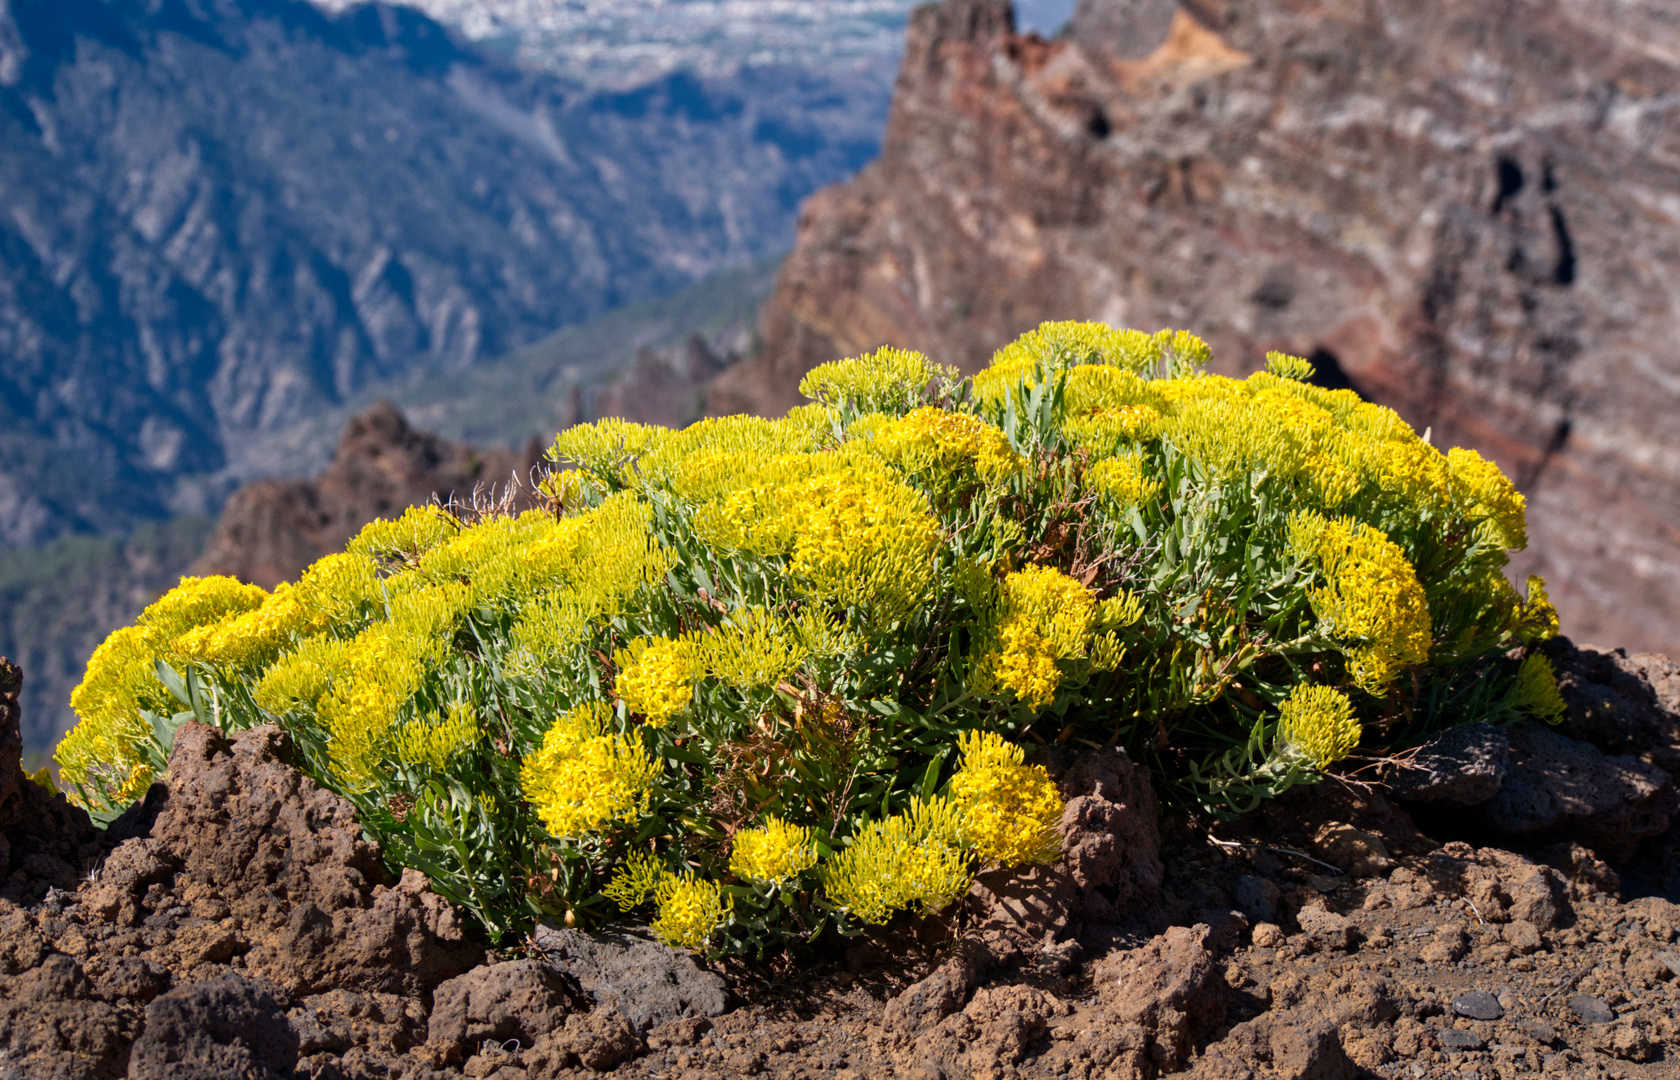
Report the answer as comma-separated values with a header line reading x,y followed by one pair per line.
x,y
1009,809
1370,601
1316,723
417,531
198,602
1536,690
607,447
1537,618
1022,664
376,674
1063,345
1106,431
656,678
1489,496
1122,481
865,540
104,748
691,910
1334,448
915,859
1043,616
886,380
636,879
249,639
933,441
587,566
753,649
774,852
433,739
582,777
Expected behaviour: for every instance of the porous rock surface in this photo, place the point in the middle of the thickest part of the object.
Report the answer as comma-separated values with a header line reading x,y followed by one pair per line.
x,y
235,924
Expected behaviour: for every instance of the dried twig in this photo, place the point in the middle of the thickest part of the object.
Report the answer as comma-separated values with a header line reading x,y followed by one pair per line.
x,y
1230,844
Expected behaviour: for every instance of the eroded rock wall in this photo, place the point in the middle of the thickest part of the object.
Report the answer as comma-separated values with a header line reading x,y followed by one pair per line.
x,y
1467,209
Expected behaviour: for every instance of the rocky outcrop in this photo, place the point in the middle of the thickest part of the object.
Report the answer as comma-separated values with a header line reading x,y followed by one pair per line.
x,y
272,529
1466,210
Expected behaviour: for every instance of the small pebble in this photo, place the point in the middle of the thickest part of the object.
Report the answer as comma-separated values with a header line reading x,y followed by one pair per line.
x,y
1591,1010
1456,1041
1538,1030
1670,960
1478,1006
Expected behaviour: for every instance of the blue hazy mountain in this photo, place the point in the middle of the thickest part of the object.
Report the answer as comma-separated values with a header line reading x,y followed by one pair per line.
x,y
220,217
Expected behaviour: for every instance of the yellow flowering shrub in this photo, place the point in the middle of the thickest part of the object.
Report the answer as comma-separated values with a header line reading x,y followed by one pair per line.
x,y
914,860
1009,809
761,676
656,678
584,775
774,852
1317,724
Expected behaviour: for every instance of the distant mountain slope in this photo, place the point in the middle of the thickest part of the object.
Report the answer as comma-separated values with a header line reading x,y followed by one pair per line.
x,y
649,361
220,217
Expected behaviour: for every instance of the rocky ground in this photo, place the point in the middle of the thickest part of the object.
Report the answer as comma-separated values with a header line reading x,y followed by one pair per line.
x,y
1511,917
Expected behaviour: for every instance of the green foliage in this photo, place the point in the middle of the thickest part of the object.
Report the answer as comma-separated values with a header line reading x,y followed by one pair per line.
x,y
764,678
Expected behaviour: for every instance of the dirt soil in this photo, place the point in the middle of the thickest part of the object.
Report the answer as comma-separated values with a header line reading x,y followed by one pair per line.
x,y
235,924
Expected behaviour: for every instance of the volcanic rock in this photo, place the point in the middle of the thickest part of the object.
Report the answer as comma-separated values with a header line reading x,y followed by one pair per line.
x,y
1462,766
271,530
650,983
228,1028
1463,210
1562,786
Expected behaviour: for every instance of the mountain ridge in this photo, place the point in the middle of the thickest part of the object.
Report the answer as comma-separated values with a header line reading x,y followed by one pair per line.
x,y
220,216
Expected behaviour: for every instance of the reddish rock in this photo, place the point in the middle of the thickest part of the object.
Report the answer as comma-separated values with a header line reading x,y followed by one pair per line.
x,y
272,529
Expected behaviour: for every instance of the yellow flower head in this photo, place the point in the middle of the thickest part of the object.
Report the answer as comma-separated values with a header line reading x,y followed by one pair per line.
x,y
1489,494
1104,431
1010,810
1536,690
582,778
1122,481
864,538
886,380
656,678
1537,618
1022,664
753,649
773,852
196,602
1318,725
691,910
635,880
247,640
417,531
433,740
1371,600
914,859
934,441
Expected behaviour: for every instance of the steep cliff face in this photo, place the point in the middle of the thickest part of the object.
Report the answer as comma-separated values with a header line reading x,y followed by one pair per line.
x,y
1467,208
219,217
271,529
